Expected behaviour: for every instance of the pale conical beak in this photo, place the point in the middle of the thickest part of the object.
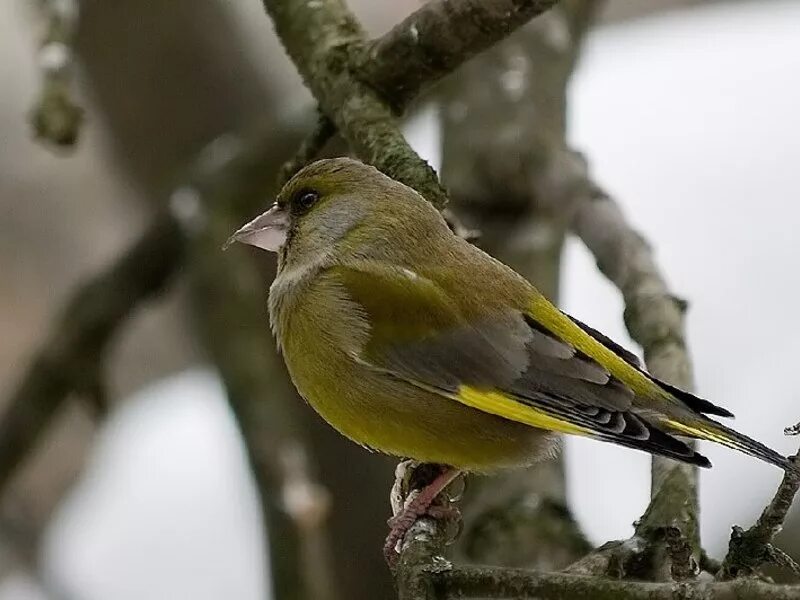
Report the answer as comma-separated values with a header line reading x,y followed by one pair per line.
x,y
267,231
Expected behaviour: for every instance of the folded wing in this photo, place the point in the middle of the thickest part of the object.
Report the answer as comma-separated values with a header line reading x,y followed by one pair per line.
x,y
497,358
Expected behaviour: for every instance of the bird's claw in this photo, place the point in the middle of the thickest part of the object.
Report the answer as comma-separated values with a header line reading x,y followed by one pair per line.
x,y
408,505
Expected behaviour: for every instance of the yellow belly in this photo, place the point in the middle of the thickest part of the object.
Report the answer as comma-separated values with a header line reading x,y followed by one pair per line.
x,y
392,416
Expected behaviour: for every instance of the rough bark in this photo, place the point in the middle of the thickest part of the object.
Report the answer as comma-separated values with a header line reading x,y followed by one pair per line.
x,y
749,551
436,39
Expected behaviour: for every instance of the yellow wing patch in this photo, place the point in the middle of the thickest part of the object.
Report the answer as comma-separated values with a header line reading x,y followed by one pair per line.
x,y
505,406
562,326
700,433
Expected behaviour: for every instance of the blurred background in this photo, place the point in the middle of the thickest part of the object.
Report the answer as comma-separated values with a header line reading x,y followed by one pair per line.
x,y
686,112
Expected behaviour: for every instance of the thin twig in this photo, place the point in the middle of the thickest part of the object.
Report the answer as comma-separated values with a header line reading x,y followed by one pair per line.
x,y
56,117
749,550
309,148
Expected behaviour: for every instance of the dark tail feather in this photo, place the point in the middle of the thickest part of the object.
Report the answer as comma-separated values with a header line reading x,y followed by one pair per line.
x,y
662,444
710,430
696,404
750,446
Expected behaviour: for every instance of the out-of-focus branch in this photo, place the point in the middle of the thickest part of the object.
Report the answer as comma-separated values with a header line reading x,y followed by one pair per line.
x,y
327,45
485,583
436,39
56,117
324,40
229,298
749,550
71,358
503,118
352,80
361,115
20,536
655,318
309,148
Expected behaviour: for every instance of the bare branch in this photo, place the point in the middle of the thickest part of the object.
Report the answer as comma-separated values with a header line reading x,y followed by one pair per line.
x,y
502,116
325,41
311,146
486,583
229,300
71,357
655,319
749,550
437,39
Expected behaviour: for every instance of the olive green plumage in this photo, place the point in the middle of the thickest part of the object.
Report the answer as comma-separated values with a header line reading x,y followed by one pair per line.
x,y
411,341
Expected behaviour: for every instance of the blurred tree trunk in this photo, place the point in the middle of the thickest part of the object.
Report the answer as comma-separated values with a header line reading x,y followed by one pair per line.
x,y
167,78
504,121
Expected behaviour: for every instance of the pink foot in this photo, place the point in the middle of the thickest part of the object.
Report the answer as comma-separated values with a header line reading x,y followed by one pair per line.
x,y
416,507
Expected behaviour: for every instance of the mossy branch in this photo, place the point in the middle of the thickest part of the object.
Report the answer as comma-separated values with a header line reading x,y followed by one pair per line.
x,y
56,117
495,583
437,39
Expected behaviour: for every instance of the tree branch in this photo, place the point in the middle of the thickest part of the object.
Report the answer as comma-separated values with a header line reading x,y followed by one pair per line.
x,y
229,181
503,116
325,41
486,583
749,550
437,39
71,358
420,557
385,144
353,80
655,319
653,314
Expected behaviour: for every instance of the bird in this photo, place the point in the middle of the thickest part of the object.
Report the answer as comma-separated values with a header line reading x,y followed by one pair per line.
x,y
411,341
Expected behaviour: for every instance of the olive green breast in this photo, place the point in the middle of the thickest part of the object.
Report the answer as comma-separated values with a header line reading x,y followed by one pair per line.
x,y
321,333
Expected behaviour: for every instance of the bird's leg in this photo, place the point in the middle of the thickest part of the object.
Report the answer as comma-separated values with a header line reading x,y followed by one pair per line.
x,y
417,503
399,494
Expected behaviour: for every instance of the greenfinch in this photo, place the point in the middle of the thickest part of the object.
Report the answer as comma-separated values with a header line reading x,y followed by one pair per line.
x,y
413,342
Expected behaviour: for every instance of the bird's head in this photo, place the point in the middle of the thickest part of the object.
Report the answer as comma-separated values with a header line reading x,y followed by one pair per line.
x,y
337,203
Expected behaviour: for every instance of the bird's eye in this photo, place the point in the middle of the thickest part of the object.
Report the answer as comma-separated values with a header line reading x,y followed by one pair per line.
x,y
305,199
